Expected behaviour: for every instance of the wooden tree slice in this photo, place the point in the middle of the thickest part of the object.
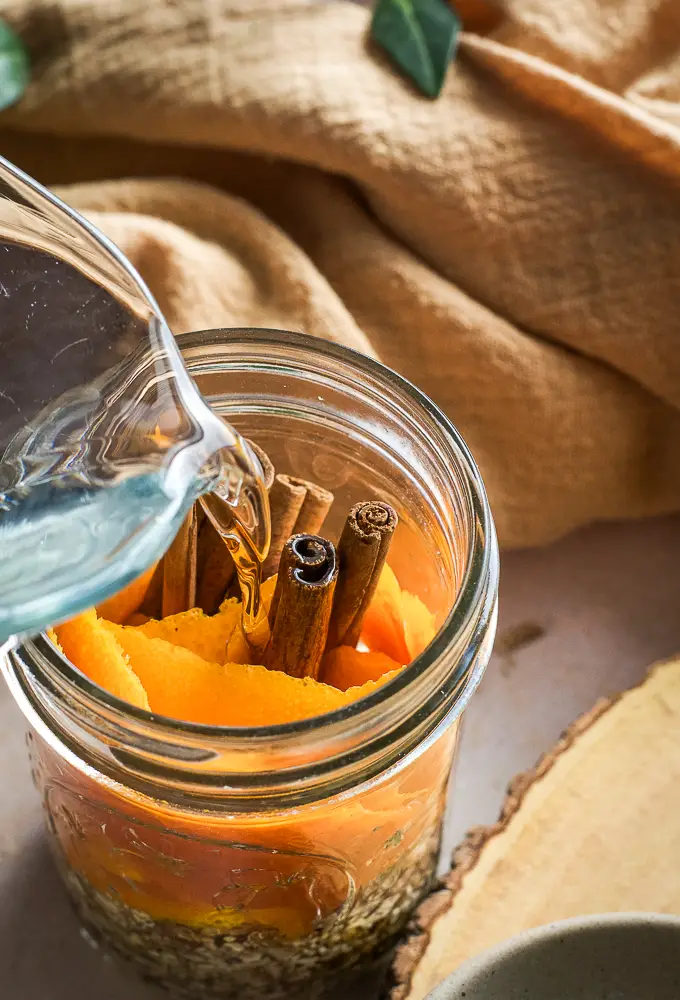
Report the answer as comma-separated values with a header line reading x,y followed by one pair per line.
x,y
594,828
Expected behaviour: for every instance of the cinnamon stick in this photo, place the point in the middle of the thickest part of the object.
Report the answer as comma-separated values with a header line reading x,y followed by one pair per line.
x,y
362,551
215,566
266,463
285,502
301,607
298,507
315,507
179,569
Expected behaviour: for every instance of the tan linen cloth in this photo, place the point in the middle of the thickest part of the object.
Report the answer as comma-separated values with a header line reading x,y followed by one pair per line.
x,y
513,247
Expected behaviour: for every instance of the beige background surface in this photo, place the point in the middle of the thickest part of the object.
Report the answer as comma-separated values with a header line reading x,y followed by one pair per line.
x,y
511,247
606,600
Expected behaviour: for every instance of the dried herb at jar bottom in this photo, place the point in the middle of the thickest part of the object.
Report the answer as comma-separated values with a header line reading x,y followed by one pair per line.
x,y
208,964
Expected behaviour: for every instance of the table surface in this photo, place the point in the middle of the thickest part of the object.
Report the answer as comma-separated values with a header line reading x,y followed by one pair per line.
x,y
578,621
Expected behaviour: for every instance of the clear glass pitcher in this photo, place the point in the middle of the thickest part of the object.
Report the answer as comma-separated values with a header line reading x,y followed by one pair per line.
x,y
104,439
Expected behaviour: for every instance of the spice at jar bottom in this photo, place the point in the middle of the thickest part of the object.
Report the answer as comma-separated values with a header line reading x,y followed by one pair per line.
x,y
227,907
283,922
199,963
244,813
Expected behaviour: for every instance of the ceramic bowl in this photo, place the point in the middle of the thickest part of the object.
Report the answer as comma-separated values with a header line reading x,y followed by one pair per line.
x,y
619,956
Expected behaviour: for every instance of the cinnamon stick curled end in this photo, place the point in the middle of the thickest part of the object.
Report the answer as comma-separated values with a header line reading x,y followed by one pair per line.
x,y
362,551
297,507
301,607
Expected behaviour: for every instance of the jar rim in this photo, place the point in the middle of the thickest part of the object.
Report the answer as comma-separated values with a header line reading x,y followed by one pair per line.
x,y
481,567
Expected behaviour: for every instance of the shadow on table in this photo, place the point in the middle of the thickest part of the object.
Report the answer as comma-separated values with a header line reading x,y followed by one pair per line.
x,y
43,953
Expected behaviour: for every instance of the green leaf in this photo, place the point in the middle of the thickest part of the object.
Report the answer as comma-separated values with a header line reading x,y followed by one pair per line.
x,y
420,36
14,66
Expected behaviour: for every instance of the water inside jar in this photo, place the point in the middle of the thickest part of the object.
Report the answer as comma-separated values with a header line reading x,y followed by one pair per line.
x,y
105,441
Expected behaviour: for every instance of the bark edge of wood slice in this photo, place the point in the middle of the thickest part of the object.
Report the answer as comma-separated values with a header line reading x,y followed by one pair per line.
x,y
591,829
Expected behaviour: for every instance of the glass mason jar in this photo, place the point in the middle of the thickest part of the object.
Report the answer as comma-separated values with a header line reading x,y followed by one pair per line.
x,y
239,863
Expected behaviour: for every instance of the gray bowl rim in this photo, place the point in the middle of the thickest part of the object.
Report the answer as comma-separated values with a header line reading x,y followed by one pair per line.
x,y
573,926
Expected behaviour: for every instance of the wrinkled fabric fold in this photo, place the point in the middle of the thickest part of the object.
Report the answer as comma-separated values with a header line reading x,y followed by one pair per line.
x,y
513,247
